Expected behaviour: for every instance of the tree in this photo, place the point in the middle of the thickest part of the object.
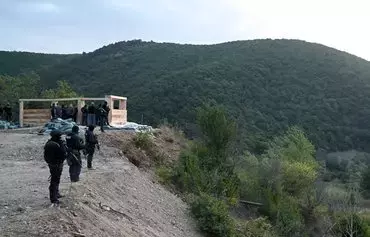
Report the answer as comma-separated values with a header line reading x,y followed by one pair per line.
x,y
365,182
63,90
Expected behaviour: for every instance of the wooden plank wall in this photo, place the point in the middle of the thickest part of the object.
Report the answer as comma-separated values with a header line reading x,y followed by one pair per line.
x,y
36,116
119,117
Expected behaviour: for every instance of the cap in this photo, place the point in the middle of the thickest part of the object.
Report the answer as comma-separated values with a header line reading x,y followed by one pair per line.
x,y
55,133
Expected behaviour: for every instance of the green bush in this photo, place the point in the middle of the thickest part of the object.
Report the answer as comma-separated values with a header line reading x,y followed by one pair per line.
x,y
213,216
351,225
365,183
289,220
259,227
143,140
189,176
164,174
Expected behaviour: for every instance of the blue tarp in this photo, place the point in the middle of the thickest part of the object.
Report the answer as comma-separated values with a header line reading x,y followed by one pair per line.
x,y
65,126
6,125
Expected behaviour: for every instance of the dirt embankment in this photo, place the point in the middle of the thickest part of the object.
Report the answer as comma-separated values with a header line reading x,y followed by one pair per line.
x,y
116,199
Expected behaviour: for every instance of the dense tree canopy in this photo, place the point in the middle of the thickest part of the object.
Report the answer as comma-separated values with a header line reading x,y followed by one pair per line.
x,y
266,85
14,63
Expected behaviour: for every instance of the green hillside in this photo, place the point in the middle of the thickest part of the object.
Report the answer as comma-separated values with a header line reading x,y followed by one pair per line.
x,y
14,63
267,85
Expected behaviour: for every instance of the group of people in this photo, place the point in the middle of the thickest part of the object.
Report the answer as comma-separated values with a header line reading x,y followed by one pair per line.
x,y
92,115
6,112
56,151
64,112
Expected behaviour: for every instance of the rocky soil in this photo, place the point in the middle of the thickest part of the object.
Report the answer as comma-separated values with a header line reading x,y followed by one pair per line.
x,y
116,199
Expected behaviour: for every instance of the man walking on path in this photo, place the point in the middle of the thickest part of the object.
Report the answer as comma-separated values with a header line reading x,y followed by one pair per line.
x,y
54,155
75,145
91,143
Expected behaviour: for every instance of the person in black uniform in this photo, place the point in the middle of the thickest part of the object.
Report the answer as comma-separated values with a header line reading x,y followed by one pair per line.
x,y
75,145
53,111
1,111
84,115
106,109
91,143
8,112
101,117
91,114
54,154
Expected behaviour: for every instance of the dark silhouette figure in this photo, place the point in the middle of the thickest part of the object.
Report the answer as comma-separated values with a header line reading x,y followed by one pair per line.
x,y
91,116
107,110
75,145
8,112
53,111
91,143
64,112
84,115
54,155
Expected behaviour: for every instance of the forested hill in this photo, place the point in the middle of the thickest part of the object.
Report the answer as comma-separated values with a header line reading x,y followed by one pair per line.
x,y
266,85
14,63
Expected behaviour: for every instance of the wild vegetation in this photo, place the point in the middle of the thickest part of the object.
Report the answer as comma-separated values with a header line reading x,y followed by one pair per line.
x,y
274,112
15,63
285,182
266,86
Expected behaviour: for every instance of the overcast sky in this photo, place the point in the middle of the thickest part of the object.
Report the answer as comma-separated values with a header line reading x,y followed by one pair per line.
x,y
74,26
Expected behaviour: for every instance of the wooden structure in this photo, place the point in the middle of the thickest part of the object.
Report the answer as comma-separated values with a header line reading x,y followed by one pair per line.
x,y
116,116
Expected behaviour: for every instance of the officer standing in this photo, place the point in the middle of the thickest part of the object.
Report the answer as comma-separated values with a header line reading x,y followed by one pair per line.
x,y
91,143
8,112
106,109
54,154
75,145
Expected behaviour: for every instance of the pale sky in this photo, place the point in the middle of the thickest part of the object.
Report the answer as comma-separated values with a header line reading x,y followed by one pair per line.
x,y
74,26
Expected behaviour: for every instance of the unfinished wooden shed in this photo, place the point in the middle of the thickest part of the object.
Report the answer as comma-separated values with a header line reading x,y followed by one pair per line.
x,y
37,117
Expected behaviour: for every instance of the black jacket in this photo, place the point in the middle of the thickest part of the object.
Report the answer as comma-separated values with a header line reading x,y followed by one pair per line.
x,y
91,139
91,109
54,152
106,108
74,142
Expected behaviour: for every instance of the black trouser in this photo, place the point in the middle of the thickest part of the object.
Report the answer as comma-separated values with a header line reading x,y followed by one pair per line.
x,y
75,167
55,172
90,153
84,119
106,120
8,117
102,123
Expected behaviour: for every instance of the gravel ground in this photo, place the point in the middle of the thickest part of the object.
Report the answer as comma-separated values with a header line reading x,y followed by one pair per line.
x,y
116,199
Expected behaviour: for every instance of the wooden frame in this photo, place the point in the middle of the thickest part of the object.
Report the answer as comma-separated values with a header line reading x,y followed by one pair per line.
x,y
41,116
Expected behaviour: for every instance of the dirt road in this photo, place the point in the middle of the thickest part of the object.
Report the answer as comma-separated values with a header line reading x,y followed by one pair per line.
x,y
116,199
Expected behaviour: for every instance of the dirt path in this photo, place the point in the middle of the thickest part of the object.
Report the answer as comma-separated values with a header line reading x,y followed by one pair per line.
x,y
116,199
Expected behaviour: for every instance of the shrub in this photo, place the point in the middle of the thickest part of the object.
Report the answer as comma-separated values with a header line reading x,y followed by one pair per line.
x,y
189,177
298,177
212,216
365,183
143,140
164,174
259,227
351,225
289,221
